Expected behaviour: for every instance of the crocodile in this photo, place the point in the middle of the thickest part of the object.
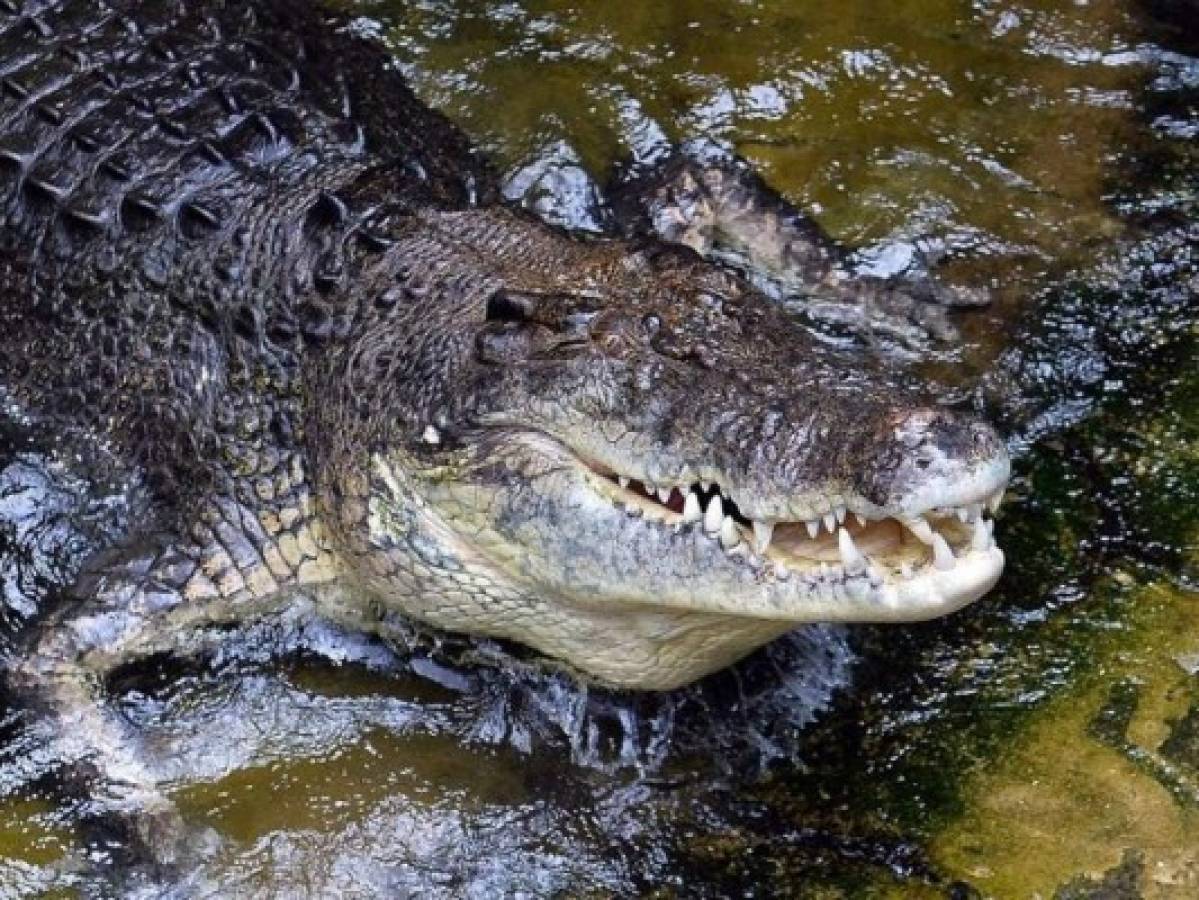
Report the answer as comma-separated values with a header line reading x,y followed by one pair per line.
x,y
240,250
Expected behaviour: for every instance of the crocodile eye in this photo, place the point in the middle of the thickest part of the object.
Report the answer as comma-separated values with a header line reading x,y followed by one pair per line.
x,y
503,306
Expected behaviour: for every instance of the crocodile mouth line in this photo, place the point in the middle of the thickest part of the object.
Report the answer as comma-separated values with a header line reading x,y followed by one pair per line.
x,y
839,543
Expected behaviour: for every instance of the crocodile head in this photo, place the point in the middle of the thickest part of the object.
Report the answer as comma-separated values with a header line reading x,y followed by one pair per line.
x,y
649,475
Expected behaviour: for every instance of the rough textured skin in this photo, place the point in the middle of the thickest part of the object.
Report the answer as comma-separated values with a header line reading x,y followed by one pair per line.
x,y
182,211
237,246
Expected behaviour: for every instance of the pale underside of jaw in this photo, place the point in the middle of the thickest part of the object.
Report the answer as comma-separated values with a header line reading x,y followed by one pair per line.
x,y
861,555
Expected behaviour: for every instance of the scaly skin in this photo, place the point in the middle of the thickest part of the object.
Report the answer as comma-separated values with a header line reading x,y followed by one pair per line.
x,y
236,245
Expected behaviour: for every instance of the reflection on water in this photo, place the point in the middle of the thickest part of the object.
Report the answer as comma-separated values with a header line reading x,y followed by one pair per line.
x,y
989,124
1045,150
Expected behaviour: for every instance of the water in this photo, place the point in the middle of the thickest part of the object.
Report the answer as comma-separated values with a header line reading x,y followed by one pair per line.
x,y
1042,740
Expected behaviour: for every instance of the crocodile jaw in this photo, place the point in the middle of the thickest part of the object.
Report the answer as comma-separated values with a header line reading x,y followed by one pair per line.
x,y
558,556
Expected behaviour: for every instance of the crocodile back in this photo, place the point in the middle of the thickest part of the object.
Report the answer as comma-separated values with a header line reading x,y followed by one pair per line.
x,y
120,119
187,187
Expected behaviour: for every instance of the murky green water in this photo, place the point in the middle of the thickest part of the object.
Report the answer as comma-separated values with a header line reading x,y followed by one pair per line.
x,y
1045,742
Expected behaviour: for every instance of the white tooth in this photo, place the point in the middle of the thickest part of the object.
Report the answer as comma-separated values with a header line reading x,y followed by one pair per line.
x,y
839,512
981,538
664,494
976,511
763,531
921,529
622,480
706,485
830,522
858,589
650,487
963,514
781,572
813,528
905,570
860,519
875,576
431,435
714,515
692,511
851,559
994,501
942,555
730,534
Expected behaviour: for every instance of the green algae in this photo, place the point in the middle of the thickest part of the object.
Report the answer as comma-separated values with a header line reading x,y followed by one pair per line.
x,y
1092,778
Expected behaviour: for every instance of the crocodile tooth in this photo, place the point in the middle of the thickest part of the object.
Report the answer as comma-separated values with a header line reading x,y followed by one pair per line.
x,y
730,534
781,572
623,481
714,515
905,569
858,589
651,489
692,511
813,528
963,514
919,527
763,532
861,519
875,576
830,522
839,513
981,538
705,486
994,501
431,435
851,559
942,555
976,511
664,494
